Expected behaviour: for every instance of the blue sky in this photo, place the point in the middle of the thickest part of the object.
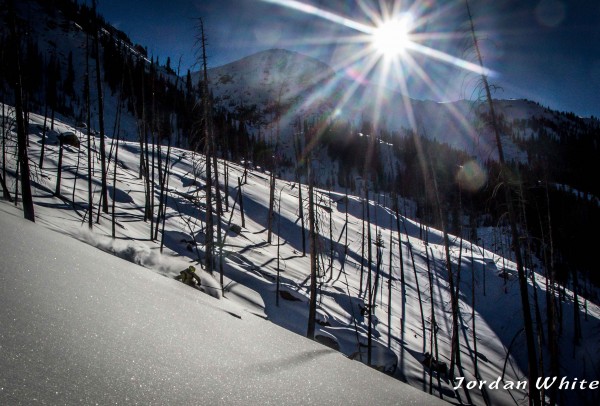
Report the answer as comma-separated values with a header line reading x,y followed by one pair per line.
x,y
544,50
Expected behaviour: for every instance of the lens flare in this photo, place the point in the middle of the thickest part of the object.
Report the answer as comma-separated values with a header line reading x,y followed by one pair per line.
x,y
471,176
390,44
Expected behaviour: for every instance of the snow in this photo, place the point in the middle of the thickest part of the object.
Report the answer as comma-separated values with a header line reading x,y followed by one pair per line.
x,y
80,326
118,304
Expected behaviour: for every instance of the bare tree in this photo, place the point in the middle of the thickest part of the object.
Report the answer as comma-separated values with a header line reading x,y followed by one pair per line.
x,y
165,196
104,195
116,134
534,396
271,204
59,167
241,200
4,124
454,290
113,223
23,160
89,131
5,191
312,309
208,150
369,291
301,216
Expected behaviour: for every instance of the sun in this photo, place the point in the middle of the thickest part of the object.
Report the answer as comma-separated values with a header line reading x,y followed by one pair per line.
x,y
391,38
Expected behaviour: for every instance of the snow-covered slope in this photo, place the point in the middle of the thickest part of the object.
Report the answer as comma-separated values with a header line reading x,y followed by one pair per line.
x,y
401,329
267,77
80,326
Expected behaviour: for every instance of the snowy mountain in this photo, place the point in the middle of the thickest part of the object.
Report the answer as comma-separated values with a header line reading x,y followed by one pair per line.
x,y
283,88
268,78
261,280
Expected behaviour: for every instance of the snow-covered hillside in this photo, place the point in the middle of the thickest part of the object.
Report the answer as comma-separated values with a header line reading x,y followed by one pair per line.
x,y
80,326
267,78
253,271
56,36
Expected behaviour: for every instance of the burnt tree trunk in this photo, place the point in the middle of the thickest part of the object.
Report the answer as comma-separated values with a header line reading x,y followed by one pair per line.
x,y
28,210
534,396
104,195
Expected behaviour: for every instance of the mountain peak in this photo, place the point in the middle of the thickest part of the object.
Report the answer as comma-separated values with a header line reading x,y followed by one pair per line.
x,y
264,77
278,60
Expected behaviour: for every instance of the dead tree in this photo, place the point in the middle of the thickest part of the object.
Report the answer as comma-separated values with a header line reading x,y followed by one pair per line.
x,y
390,272
301,216
433,347
43,146
5,191
166,196
116,133
89,131
113,222
370,292
312,309
153,134
534,396
454,343
271,204
241,200
400,255
553,335
473,328
362,249
226,183
23,160
161,184
219,210
208,150
104,195
59,168
412,258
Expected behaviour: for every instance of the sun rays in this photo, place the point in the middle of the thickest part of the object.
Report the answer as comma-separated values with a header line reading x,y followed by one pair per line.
x,y
386,45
